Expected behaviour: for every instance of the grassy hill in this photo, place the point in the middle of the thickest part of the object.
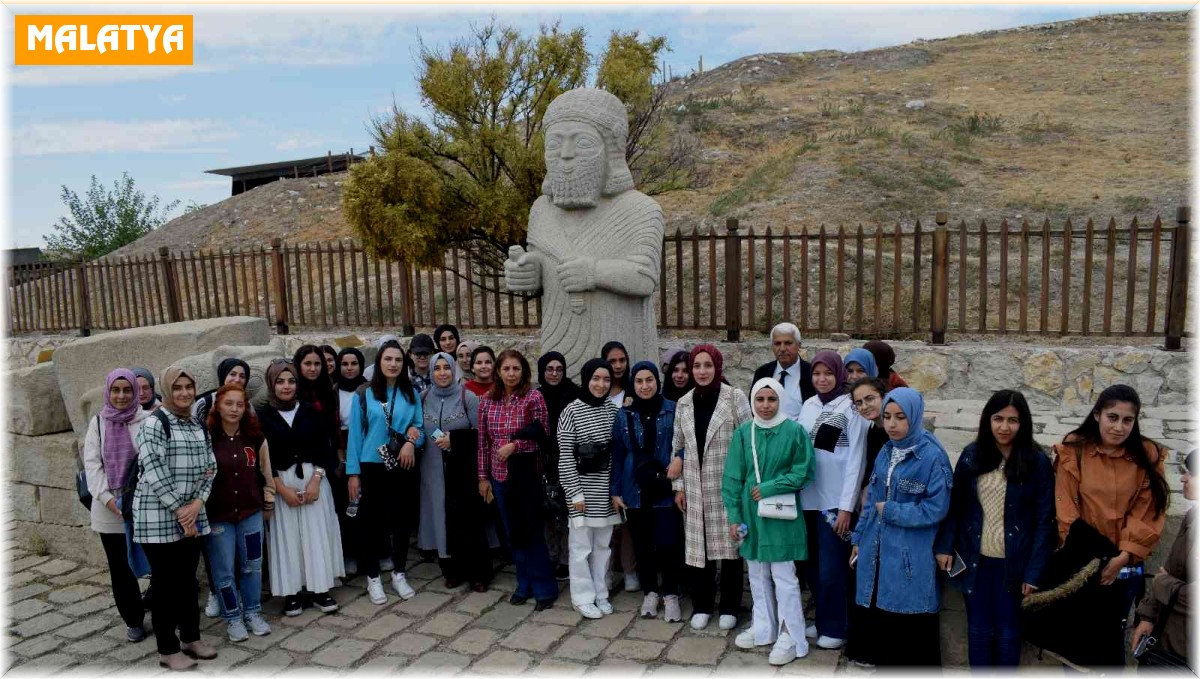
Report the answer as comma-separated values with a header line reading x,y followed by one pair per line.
x,y
1079,118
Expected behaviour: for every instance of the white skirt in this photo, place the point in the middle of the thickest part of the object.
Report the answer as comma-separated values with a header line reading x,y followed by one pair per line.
x,y
305,542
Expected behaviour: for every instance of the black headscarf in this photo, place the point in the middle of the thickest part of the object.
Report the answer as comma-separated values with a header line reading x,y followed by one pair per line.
x,y
437,336
223,369
557,396
647,406
626,380
345,383
585,376
669,390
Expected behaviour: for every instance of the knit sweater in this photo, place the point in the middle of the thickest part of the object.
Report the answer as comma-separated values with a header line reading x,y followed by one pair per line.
x,y
582,423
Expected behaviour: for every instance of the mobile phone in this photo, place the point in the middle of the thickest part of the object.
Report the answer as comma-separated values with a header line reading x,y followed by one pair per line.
x,y
957,567
853,559
438,433
623,516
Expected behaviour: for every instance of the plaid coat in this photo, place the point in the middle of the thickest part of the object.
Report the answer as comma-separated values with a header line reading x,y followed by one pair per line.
x,y
706,525
174,472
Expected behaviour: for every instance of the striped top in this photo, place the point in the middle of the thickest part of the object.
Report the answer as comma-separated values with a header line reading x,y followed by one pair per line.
x,y
991,488
583,423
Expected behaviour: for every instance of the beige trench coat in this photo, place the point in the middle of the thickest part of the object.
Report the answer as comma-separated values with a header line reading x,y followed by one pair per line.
x,y
706,525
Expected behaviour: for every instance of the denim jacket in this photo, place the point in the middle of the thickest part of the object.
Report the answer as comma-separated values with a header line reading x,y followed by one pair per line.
x,y
1030,533
899,542
622,481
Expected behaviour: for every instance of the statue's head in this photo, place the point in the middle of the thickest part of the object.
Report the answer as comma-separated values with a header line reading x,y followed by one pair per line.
x,y
585,135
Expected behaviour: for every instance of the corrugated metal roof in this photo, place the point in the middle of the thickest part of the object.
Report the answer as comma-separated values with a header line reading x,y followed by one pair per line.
x,y
283,165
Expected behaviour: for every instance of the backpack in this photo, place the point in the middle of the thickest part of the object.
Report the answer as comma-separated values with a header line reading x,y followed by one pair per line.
x,y
135,470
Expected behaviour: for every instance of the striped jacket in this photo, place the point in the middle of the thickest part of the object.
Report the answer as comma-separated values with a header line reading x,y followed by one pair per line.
x,y
583,423
173,473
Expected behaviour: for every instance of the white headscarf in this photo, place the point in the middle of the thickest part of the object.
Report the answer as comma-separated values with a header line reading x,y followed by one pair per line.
x,y
774,385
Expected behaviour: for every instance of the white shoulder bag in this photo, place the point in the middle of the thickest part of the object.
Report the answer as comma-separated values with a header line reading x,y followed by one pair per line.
x,y
777,506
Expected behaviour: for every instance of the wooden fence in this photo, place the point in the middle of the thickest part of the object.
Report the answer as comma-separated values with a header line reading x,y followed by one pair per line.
x,y
1022,278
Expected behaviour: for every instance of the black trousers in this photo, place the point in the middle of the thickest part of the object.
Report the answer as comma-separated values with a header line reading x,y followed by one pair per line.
x,y
658,545
173,577
466,521
388,512
124,583
341,499
704,586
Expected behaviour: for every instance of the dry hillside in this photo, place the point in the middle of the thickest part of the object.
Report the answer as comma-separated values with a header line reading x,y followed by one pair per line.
x,y
1078,118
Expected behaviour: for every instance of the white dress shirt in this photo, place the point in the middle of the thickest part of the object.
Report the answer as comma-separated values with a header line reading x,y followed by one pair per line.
x,y
793,399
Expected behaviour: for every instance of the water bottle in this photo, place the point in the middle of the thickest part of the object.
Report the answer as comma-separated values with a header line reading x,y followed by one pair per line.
x,y
352,508
742,531
1130,571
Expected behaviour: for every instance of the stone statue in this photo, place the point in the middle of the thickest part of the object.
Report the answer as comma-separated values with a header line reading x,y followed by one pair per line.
x,y
594,242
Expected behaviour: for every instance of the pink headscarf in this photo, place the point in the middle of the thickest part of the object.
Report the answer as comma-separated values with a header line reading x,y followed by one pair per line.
x,y
117,449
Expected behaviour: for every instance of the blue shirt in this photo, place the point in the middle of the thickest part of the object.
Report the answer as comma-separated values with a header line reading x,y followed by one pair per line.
x,y
365,447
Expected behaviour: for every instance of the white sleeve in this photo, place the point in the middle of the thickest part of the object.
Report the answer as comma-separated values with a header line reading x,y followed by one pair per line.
x,y
93,464
856,433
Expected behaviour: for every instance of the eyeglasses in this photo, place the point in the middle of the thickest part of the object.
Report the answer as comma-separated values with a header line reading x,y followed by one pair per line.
x,y
865,402
553,369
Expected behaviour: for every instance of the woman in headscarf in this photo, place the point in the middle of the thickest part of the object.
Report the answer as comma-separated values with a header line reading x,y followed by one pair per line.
x,y
641,452
381,462
885,358
860,364
896,574
447,339
229,371
838,436
305,545
463,355
243,495
677,377
769,456
348,379
584,468
147,396
169,520
108,458
452,513
705,419
557,390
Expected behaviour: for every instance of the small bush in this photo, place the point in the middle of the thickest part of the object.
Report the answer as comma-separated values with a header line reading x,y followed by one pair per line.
x,y
1133,204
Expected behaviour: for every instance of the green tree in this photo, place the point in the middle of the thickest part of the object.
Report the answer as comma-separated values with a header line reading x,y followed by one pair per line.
x,y
466,173
106,219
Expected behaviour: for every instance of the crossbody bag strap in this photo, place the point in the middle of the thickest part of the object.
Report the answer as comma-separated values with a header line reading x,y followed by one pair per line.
x,y
754,452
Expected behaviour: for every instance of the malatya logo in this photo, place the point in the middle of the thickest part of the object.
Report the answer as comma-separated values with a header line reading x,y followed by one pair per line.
x,y
103,40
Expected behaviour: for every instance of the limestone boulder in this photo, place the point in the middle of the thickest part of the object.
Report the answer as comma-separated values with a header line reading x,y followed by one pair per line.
x,y
44,460
83,363
1043,371
35,405
926,373
204,366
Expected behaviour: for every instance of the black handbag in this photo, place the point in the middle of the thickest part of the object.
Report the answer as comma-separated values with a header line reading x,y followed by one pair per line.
x,y
649,474
554,498
1148,654
85,495
592,458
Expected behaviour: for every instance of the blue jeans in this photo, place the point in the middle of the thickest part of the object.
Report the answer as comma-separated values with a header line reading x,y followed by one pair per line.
x,y
239,545
828,574
136,556
535,575
993,618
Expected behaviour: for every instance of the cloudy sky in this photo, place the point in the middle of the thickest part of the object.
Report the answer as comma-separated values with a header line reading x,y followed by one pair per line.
x,y
274,83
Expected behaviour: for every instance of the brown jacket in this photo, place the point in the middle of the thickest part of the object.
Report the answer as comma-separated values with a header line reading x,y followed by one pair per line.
x,y
1111,493
1177,579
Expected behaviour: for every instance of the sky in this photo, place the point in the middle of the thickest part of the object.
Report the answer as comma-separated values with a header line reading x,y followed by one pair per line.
x,y
273,83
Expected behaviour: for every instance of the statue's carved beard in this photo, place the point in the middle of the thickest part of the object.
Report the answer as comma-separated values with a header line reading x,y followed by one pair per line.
x,y
579,189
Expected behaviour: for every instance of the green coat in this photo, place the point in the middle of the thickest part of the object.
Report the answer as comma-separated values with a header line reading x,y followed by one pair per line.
x,y
785,459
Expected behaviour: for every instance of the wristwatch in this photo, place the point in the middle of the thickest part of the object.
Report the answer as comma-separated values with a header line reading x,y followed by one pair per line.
x,y
318,472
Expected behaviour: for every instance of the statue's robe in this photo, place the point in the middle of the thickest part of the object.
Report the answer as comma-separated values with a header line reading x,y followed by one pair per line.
x,y
627,227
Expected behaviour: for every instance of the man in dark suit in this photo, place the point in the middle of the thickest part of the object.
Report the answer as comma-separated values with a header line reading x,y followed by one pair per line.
x,y
793,372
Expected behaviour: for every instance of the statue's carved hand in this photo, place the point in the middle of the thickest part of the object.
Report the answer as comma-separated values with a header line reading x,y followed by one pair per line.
x,y
577,275
522,270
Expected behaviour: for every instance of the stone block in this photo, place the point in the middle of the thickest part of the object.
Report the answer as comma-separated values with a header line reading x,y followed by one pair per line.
x,y
642,651
83,363
277,635
342,653
57,567
578,647
609,627
476,603
204,366
654,630
23,610
271,662
93,605
557,668
40,624
535,637
35,405
22,500
438,663
48,460
446,624
696,650
474,641
502,662
50,663
87,627
308,640
61,507
743,663
558,615
410,644
422,604
505,617
27,591
383,627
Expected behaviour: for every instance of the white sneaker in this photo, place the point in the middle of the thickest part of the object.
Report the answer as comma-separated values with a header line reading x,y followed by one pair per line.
x,y
375,591
785,650
746,640
700,620
830,643
650,605
811,631
258,626
400,584
387,564
212,608
237,630
671,610
727,621
589,611
632,584
604,606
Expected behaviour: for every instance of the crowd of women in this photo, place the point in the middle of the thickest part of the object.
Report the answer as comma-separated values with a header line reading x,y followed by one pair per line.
x,y
823,473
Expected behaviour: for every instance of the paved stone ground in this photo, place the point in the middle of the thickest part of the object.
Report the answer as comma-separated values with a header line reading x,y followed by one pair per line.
x,y
61,615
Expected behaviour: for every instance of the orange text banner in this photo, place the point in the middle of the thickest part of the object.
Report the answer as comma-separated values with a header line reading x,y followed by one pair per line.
x,y
103,40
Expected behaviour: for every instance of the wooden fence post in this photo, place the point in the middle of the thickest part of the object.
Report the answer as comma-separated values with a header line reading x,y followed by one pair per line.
x,y
940,280
174,301
281,296
733,281
406,301
1177,297
85,302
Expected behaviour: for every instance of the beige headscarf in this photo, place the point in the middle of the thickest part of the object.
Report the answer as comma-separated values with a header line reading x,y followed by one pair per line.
x,y
169,376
